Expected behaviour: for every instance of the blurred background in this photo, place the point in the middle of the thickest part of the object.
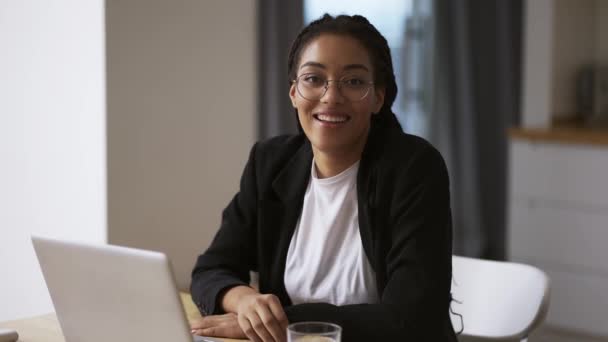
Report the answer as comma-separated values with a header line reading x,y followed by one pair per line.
x,y
129,122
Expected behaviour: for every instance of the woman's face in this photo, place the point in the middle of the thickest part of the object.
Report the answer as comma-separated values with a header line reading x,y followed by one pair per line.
x,y
335,124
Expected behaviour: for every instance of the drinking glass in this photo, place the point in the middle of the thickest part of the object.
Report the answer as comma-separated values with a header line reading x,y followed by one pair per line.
x,y
314,332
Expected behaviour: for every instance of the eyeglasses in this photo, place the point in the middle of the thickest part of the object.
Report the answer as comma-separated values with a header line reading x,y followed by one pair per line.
x,y
313,87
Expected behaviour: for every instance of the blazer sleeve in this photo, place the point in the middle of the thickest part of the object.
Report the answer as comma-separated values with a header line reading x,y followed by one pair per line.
x,y
231,255
415,302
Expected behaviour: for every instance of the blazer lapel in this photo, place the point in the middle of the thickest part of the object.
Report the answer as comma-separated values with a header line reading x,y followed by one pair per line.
x,y
281,213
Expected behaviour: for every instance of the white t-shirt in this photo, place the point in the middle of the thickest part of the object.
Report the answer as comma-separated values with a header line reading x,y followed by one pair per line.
x,y
326,261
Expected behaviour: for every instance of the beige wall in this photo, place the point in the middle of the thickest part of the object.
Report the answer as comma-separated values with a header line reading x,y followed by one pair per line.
x,y
560,37
181,103
601,36
574,29
538,42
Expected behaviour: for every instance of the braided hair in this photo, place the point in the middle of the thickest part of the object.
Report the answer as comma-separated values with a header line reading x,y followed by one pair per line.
x,y
362,30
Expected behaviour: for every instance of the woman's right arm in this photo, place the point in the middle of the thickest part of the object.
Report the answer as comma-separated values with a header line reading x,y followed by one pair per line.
x,y
220,279
232,253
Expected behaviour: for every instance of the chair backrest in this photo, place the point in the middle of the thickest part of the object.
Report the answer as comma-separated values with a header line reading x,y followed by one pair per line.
x,y
499,301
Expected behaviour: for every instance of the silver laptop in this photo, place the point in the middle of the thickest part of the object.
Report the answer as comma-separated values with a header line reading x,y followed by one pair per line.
x,y
108,293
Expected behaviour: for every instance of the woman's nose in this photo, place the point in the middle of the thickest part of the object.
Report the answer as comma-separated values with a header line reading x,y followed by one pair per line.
x,y
332,92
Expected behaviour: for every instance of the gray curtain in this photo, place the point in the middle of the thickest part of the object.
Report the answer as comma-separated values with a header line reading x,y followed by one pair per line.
x,y
278,24
476,98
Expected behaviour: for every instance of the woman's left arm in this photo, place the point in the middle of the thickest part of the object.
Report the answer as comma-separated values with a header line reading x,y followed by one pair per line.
x,y
414,305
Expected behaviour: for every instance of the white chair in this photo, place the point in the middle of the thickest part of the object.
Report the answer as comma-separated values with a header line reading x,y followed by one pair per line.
x,y
498,301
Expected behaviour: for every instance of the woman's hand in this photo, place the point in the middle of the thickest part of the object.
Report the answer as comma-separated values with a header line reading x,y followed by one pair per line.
x,y
260,316
219,326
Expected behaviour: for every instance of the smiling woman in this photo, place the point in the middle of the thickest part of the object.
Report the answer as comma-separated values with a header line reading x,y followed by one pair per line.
x,y
347,222
336,119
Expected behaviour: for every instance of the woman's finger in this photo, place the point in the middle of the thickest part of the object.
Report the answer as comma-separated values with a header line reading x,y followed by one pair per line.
x,y
259,327
213,331
248,329
198,332
274,304
198,323
208,321
271,324
221,326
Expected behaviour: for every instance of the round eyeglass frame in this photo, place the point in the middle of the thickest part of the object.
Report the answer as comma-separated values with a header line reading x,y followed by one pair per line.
x,y
369,84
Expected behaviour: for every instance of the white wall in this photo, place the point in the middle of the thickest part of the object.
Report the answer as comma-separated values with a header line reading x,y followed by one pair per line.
x,y
181,106
52,138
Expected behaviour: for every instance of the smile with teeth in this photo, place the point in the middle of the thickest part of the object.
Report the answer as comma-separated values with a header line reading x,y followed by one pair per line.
x,y
331,118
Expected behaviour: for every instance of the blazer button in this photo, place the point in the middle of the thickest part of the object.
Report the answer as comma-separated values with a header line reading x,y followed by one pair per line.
x,y
202,309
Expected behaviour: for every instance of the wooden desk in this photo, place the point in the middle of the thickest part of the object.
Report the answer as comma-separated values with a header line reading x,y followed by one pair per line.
x,y
563,133
46,328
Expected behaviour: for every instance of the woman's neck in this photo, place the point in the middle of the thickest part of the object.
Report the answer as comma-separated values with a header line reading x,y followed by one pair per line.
x,y
329,164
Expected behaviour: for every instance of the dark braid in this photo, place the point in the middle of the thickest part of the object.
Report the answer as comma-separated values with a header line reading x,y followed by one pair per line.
x,y
361,29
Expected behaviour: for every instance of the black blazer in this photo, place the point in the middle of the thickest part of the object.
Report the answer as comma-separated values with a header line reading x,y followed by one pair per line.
x,y
405,226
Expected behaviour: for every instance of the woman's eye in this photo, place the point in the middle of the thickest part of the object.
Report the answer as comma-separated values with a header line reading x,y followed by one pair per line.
x,y
353,82
314,80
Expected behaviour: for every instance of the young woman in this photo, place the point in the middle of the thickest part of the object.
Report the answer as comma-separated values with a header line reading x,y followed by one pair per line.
x,y
347,222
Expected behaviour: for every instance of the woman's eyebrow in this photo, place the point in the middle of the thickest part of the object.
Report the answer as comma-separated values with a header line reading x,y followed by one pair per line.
x,y
313,64
346,67
355,66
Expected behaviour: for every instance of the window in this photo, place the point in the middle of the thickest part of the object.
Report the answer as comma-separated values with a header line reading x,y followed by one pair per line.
x,y
406,26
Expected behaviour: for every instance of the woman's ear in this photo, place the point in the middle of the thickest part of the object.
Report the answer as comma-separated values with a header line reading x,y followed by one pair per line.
x,y
292,94
379,94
